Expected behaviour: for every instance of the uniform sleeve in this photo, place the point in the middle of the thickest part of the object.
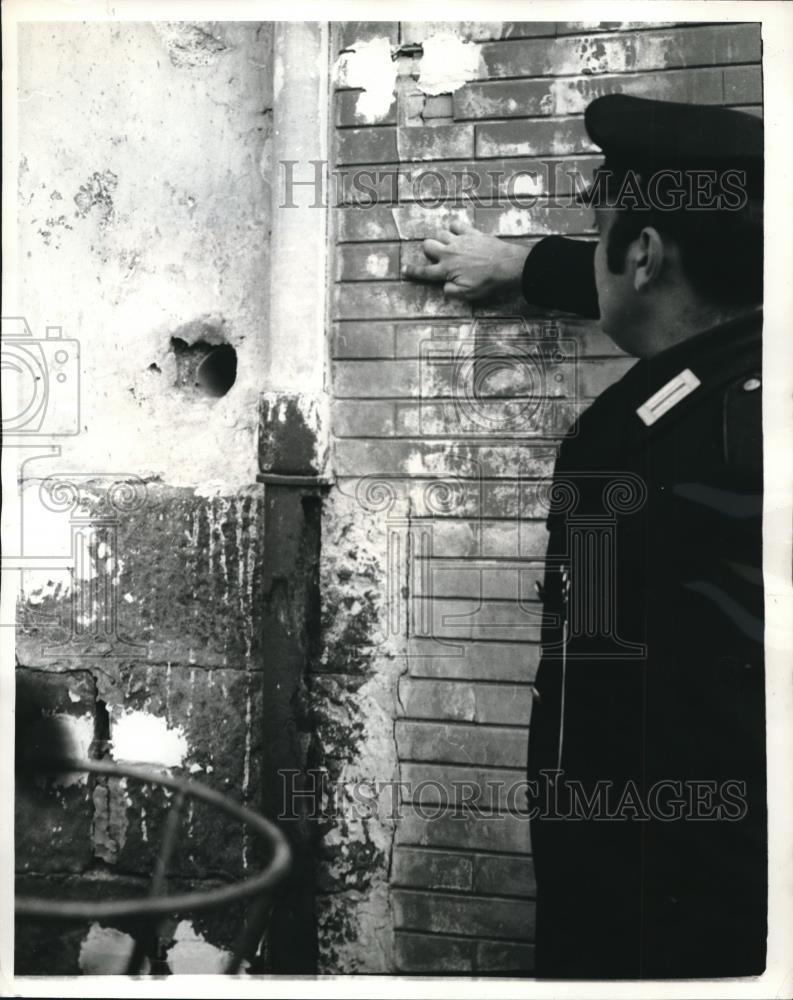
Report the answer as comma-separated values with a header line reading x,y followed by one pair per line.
x,y
559,273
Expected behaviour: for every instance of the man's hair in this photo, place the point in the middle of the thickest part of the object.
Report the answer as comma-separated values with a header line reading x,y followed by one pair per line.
x,y
721,250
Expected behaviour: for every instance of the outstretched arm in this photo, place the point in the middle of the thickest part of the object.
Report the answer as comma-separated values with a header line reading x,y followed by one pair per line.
x,y
557,273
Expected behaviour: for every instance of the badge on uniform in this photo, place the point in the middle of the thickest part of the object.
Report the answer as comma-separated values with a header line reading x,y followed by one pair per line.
x,y
668,396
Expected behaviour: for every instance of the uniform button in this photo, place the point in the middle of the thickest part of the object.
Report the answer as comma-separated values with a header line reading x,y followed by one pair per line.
x,y
751,384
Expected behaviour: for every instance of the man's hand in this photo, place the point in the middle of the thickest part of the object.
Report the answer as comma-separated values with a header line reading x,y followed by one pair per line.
x,y
471,265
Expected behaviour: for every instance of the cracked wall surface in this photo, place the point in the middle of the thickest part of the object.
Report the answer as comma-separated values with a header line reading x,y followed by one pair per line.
x,y
143,218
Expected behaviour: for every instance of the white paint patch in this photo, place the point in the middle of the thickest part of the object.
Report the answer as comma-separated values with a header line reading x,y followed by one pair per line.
x,y
143,738
192,954
77,735
369,65
448,62
106,952
527,184
376,265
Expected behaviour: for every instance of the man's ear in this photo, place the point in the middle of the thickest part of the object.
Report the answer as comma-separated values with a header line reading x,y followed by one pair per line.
x,y
648,258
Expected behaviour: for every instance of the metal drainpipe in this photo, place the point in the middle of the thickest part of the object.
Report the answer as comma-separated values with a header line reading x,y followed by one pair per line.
x,y
293,462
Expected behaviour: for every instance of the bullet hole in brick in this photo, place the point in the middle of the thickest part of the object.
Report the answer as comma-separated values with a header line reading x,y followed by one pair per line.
x,y
204,369
154,367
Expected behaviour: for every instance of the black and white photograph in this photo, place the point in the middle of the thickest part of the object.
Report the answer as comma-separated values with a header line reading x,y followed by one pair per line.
x,y
397,478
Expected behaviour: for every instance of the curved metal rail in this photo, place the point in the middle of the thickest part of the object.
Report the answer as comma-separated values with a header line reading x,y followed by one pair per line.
x,y
156,904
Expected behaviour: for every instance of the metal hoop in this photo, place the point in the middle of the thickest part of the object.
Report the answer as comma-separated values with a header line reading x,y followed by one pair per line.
x,y
157,905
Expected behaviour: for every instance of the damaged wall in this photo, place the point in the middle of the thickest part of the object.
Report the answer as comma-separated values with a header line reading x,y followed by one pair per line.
x,y
434,535
143,217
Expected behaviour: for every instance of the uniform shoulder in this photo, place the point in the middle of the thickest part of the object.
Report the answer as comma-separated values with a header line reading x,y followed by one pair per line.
x,y
742,422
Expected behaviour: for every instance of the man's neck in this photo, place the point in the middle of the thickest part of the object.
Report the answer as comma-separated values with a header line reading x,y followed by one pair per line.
x,y
676,325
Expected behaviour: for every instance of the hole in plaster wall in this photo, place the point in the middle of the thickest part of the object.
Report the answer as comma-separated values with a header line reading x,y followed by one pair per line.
x,y
203,368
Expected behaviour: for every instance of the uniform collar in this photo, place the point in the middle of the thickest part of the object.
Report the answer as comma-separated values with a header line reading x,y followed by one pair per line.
x,y
661,389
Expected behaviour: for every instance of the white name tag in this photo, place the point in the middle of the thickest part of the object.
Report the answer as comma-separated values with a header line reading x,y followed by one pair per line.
x,y
668,395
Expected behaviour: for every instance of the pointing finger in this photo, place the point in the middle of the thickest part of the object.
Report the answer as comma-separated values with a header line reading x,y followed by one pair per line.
x,y
433,248
454,291
424,272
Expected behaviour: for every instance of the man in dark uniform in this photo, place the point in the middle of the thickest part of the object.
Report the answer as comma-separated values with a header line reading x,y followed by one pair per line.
x,y
647,737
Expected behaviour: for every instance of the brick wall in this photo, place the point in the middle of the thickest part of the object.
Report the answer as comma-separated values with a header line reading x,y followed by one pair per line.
x,y
468,472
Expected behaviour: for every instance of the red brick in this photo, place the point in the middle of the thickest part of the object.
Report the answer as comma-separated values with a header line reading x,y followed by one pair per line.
x,y
541,220
353,379
363,418
464,787
470,500
415,953
415,32
622,52
364,186
454,914
414,340
521,180
437,106
458,743
362,340
362,224
387,300
480,579
571,95
376,144
536,137
743,85
504,876
471,832
486,620
506,661
347,110
431,869
502,704
589,27
483,539
350,32
417,457
443,142
529,418
504,956
402,222
367,261
526,382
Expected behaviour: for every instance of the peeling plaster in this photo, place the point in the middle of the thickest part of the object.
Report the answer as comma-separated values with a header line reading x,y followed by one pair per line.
x,y
143,738
369,65
147,256
77,734
192,954
109,834
356,700
447,63
189,44
106,952
302,414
